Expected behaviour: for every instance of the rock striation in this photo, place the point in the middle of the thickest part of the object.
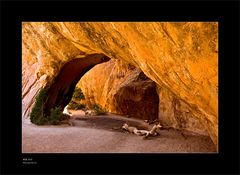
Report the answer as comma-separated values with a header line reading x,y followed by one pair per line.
x,y
180,57
121,88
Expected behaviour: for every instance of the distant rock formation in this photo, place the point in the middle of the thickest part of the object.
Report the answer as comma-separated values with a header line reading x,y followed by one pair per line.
x,y
121,88
124,89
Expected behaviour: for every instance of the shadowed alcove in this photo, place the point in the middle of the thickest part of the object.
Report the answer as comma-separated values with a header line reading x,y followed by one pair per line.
x,y
62,88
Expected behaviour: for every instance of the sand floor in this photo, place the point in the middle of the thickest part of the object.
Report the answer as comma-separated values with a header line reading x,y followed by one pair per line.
x,y
103,134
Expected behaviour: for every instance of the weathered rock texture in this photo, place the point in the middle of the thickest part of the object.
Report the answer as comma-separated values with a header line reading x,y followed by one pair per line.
x,y
174,112
120,88
179,57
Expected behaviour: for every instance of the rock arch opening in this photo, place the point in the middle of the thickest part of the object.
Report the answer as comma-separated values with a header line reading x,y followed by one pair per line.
x,y
61,90
138,99
121,89
133,94
188,95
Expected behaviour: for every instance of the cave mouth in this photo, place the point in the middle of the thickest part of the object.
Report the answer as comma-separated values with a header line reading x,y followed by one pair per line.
x,y
60,92
139,99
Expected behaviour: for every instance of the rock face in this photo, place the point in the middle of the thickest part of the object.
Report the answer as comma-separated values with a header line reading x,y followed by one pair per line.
x,y
121,88
181,58
175,113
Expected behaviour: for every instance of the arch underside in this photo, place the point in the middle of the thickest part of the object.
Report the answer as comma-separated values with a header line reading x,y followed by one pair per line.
x,y
60,92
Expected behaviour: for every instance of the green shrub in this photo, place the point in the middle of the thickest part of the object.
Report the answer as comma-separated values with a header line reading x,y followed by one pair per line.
x,y
76,98
75,106
36,115
78,94
98,109
55,116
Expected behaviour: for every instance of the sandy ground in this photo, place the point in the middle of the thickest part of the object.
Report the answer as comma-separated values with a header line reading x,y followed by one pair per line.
x,y
103,134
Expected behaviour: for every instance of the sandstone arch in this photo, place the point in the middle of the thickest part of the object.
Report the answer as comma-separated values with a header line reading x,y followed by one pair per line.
x,y
181,58
61,90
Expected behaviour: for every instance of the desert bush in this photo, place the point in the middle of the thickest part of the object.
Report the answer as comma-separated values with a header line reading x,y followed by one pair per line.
x,y
78,94
75,106
36,115
98,109
76,98
55,116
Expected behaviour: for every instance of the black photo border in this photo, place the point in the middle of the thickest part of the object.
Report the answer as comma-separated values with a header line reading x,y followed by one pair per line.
x,y
13,13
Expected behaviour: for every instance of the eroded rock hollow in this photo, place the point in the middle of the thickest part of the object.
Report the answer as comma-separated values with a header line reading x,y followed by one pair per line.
x,y
62,88
181,58
121,88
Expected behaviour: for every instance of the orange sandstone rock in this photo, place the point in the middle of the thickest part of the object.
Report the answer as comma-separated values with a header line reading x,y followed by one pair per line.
x,y
121,88
180,57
